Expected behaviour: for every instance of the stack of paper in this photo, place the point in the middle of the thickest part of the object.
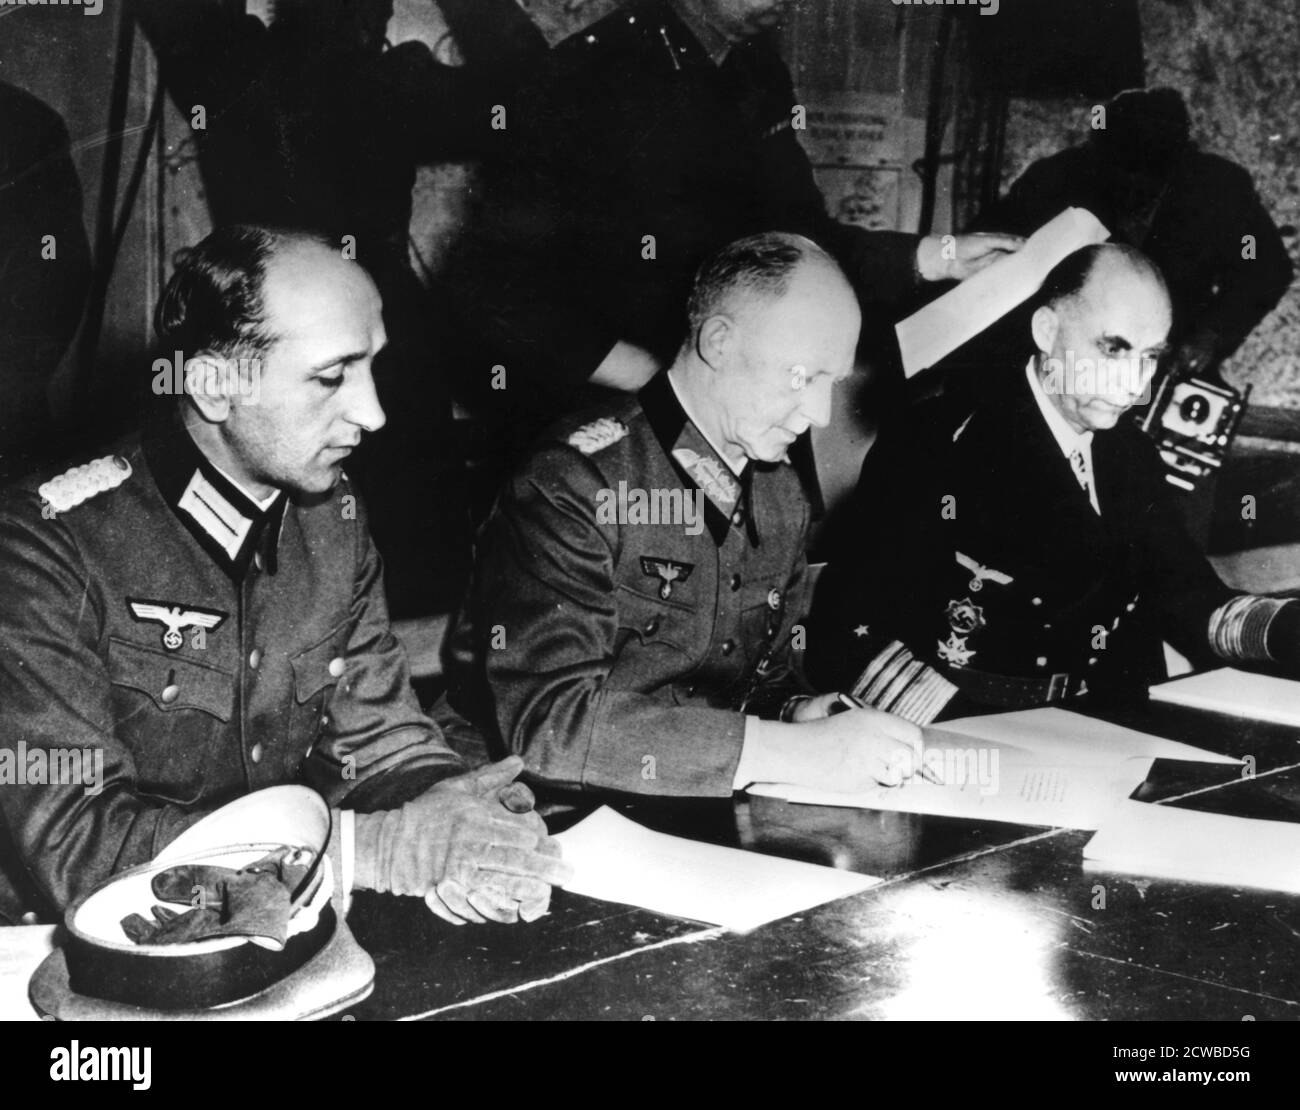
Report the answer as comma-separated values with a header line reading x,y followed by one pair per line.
x,y
943,325
1237,693
1037,767
1197,847
620,861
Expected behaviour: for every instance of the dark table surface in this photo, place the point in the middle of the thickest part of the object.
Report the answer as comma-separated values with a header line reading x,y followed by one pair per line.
x,y
975,920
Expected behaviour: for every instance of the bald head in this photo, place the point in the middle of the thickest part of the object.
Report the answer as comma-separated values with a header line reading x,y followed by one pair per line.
x,y
773,326
1101,324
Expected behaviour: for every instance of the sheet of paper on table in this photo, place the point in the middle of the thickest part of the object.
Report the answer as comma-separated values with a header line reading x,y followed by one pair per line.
x,y
938,329
1260,697
1036,767
1000,783
617,860
22,950
1166,842
1073,738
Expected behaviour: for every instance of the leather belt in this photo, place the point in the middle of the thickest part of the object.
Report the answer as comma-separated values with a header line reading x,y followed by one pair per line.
x,y
1011,691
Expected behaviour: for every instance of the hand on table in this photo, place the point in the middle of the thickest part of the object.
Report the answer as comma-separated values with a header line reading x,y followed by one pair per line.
x,y
844,753
471,846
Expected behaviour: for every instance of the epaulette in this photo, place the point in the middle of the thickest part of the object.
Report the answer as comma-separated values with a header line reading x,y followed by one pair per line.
x,y
598,435
81,483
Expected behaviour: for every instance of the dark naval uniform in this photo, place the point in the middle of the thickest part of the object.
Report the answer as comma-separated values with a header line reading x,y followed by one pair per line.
x,y
208,648
631,160
977,573
601,639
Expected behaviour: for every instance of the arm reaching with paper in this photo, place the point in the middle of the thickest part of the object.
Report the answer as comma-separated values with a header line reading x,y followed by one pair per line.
x,y
957,257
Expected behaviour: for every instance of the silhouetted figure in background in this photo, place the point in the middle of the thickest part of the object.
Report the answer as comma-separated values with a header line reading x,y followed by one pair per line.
x,y
44,268
312,123
1189,211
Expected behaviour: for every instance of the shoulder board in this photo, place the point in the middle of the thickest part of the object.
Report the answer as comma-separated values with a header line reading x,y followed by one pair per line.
x,y
81,483
598,435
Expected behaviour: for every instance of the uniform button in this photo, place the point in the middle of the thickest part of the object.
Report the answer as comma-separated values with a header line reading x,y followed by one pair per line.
x,y
690,691
735,581
737,517
1041,661
1047,628
774,599
255,753
324,719
29,918
1092,662
255,658
1035,601
336,666
1129,607
728,646
652,626
257,559
170,693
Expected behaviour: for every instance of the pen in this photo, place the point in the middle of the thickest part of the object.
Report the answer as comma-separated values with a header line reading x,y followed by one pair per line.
x,y
848,701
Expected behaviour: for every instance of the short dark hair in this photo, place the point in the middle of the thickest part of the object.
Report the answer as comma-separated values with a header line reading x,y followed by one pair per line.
x,y
1068,277
1146,130
760,264
214,301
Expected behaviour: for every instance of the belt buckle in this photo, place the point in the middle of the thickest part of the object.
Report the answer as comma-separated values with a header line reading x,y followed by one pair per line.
x,y
1058,687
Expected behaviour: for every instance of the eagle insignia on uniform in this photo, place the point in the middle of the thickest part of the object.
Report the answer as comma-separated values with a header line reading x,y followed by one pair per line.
x,y
955,651
174,618
965,616
981,574
598,435
667,571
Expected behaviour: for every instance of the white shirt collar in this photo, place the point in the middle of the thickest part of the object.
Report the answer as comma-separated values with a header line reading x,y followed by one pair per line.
x,y
1066,437
681,400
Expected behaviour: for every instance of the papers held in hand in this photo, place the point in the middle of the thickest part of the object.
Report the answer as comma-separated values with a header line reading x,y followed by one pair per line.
x,y
935,331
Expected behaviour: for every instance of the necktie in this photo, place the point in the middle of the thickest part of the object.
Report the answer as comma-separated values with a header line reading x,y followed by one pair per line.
x,y
1080,467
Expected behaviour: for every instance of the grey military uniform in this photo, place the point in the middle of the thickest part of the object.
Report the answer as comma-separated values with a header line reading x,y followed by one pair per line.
x,y
619,654
206,647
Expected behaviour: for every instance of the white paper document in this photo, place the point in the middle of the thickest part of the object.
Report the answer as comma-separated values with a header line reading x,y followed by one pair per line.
x,y
1037,767
620,861
1073,738
23,949
982,780
1238,693
1165,842
938,329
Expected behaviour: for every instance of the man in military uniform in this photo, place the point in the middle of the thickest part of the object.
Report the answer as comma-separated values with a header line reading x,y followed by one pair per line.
x,y
652,139
634,603
1020,547
203,612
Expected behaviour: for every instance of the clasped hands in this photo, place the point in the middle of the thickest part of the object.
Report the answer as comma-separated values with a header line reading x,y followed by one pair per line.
x,y
471,846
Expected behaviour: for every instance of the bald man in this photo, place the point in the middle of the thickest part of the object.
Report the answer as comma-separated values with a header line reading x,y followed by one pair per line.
x,y
1019,547
638,586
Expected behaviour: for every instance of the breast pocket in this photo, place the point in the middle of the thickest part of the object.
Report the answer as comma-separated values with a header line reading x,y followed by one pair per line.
x,y
317,671
174,713
656,638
